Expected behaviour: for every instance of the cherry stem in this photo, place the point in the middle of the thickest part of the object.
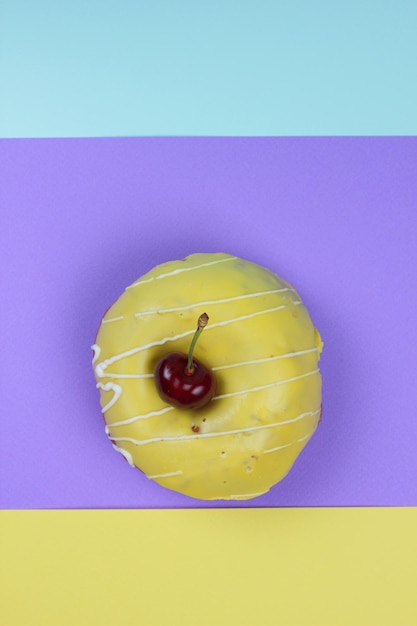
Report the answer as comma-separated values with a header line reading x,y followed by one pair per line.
x,y
201,324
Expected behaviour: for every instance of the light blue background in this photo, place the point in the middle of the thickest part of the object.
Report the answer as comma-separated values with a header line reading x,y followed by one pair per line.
x,y
125,67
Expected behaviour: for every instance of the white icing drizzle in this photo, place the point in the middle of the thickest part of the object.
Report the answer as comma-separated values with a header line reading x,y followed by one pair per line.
x,y
287,445
221,367
124,453
112,319
167,475
179,271
249,315
96,349
117,391
129,458
142,442
100,367
137,376
208,302
275,384
244,496
141,417
130,420
265,360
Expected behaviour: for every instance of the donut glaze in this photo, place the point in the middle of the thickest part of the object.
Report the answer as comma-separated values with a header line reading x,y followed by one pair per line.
x,y
264,351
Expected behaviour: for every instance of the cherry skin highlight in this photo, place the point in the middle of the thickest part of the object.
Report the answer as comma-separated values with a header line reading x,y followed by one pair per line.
x,y
180,389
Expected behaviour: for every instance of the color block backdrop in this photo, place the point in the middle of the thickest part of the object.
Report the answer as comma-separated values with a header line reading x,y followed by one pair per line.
x,y
84,218
81,219
225,67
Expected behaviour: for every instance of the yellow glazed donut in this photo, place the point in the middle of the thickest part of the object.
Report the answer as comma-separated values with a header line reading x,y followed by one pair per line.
x,y
263,350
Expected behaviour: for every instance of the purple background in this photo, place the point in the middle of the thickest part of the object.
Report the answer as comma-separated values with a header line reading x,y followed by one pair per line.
x,y
83,218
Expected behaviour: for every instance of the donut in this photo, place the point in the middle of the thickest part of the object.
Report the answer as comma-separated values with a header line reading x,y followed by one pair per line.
x,y
263,350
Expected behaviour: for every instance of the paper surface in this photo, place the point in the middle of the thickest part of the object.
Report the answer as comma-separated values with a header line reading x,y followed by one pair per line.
x,y
82,219
189,68
298,567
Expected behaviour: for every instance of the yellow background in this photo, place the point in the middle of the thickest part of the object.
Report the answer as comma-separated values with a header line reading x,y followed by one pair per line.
x,y
264,567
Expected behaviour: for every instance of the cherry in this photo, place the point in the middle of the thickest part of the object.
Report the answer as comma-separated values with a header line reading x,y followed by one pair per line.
x,y
185,382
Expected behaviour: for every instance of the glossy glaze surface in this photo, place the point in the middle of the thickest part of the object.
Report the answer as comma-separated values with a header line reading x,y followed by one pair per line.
x,y
264,351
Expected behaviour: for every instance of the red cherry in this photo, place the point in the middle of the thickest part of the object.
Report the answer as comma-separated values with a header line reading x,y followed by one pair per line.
x,y
185,391
183,381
